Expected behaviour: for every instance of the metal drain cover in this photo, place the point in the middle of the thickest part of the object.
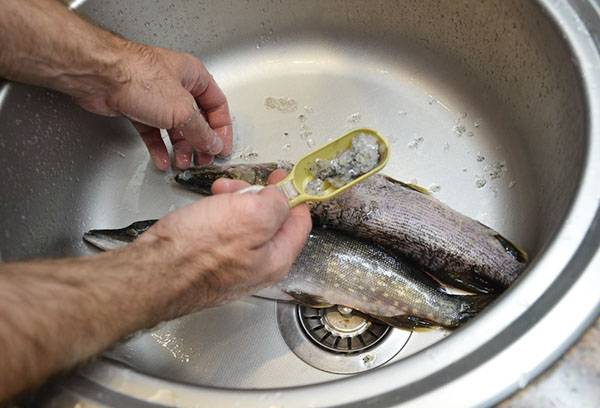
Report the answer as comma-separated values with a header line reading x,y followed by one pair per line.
x,y
338,329
338,340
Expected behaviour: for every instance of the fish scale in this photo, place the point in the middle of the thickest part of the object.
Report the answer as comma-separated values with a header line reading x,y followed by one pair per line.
x,y
334,268
456,249
406,219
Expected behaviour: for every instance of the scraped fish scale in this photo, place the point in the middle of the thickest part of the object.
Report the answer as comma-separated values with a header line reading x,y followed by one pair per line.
x,y
455,248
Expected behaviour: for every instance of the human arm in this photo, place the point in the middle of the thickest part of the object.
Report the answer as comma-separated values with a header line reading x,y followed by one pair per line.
x,y
60,312
44,43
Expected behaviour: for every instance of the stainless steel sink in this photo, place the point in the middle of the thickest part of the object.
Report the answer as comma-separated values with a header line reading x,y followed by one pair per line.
x,y
493,105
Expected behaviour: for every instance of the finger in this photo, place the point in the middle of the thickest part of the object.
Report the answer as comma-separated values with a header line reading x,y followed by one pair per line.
x,y
223,186
182,149
212,101
154,143
194,127
276,176
273,207
202,159
291,237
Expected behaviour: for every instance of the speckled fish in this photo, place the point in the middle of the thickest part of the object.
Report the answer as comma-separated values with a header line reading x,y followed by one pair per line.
x,y
406,219
199,179
335,269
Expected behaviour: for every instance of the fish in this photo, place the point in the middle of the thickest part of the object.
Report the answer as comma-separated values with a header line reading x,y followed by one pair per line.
x,y
336,269
408,220
111,239
200,179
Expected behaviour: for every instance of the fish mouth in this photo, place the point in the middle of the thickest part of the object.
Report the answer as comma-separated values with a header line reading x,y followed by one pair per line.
x,y
103,241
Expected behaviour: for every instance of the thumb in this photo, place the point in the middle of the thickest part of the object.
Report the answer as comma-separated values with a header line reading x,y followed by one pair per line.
x,y
225,185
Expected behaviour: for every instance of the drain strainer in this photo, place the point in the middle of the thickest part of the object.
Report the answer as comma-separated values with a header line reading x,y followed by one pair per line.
x,y
339,329
337,339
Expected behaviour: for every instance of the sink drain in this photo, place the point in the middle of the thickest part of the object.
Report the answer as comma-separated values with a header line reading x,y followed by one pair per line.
x,y
337,339
339,329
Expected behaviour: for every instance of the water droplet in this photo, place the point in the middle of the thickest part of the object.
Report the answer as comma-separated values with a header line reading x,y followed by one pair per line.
x,y
480,182
353,118
416,142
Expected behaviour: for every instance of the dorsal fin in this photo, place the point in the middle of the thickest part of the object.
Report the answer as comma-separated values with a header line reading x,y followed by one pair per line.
x,y
410,186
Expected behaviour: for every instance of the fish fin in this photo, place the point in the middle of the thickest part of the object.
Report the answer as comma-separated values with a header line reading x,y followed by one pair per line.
x,y
512,249
473,304
517,253
473,282
410,186
407,322
309,300
273,293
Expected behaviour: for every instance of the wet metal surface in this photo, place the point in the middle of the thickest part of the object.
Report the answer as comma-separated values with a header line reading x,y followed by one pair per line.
x,y
574,381
493,105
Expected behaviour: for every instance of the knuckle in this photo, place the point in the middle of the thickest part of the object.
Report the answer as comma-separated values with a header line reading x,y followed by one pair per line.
x,y
183,110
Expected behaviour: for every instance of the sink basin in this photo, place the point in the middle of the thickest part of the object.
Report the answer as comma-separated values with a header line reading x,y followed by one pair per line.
x,y
493,106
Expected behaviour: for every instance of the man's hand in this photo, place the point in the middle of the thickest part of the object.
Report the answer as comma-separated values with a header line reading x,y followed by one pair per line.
x,y
169,90
44,43
230,245
215,250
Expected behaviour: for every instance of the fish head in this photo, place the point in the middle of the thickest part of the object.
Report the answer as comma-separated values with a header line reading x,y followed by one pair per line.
x,y
200,179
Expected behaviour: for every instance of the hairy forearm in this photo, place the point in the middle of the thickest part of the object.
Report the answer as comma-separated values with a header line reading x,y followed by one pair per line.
x,y
46,44
57,313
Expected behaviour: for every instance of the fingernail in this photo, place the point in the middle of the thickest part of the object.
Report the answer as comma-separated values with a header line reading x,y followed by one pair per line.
x,y
215,147
161,164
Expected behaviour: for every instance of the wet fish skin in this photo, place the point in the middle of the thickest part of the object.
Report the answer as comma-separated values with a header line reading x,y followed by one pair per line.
x,y
334,268
456,249
110,239
200,179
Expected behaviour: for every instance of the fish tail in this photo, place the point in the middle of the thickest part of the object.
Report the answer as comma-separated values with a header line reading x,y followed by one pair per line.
x,y
472,305
407,322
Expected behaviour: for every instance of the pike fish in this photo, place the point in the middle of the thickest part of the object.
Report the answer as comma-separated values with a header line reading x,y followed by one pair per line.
x,y
405,219
335,269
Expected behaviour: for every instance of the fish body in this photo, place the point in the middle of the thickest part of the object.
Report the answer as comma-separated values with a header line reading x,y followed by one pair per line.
x,y
110,239
335,269
200,179
406,219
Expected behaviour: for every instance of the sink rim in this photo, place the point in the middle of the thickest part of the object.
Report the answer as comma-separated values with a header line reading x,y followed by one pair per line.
x,y
559,279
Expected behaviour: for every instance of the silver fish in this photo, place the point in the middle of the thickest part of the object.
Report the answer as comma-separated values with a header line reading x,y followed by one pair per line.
x,y
109,239
406,219
200,179
335,269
